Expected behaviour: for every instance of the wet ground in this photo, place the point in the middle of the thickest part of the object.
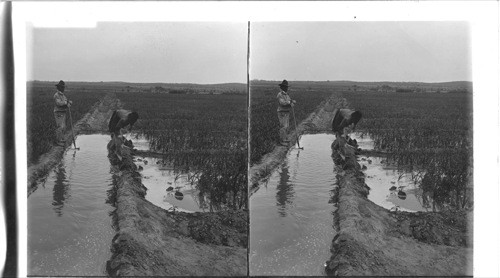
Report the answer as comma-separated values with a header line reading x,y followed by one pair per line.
x,y
291,215
69,223
163,182
140,142
381,177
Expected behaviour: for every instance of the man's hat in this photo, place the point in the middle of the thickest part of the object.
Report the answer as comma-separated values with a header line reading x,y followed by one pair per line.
x,y
284,83
61,83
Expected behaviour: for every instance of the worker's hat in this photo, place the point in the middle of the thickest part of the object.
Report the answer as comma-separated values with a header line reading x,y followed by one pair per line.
x,y
61,83
284,83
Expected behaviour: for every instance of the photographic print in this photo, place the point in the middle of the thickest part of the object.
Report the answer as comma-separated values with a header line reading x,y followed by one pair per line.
x,y
361,149
137,149
237,138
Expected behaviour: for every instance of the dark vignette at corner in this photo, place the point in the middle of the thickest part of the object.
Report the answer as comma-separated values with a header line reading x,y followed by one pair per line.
x,y
9,157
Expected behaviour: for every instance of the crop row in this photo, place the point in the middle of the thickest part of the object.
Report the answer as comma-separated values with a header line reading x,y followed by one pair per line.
x,y
41,124
425,133
264,124
184,126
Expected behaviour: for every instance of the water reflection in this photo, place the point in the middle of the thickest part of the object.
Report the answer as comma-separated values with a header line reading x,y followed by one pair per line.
x,y
61,189
111,197
113,187
285,192
69,227
296,240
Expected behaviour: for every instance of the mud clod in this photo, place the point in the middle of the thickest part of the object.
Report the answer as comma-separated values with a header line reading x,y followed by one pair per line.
x,y
372,241
151,241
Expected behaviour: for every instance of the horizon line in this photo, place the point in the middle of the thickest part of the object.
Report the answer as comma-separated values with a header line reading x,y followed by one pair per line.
x,y
264,80
369,81
138,82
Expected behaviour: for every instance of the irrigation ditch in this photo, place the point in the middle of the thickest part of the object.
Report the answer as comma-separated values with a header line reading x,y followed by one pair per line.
x,y
366,237
363,238
371,240
151,241
143,240
95,121
317,122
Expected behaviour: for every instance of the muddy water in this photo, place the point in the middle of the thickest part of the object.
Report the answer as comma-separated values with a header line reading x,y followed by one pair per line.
x,y
140,142
69,223
162,182
291,215
381,177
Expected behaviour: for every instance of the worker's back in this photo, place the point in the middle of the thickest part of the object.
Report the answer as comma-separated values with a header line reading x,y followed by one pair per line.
x,y
121,118
343,118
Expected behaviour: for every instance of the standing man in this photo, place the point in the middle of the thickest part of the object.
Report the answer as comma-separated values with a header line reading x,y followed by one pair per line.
x,y
60,111
285,104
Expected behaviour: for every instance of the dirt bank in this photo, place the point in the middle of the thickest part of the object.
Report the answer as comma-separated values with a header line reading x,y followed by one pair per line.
x,y
95,120
317,122
151,241
372,241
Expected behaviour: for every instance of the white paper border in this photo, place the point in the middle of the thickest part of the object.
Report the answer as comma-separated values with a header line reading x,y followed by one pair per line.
x,y
482,15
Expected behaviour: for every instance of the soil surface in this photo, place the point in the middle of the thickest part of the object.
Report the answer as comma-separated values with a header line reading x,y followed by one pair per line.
x,y
372,241
317,122
151,241
93,122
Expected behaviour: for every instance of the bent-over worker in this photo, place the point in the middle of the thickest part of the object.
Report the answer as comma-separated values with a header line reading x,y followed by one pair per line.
x,y
61,107
285,104
120,119
344,118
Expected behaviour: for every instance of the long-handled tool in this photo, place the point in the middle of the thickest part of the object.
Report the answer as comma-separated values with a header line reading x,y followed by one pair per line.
x,y
72,132
296,131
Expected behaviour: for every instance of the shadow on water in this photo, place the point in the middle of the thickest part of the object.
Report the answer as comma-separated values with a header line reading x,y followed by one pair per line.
x,y
61,189
111,197
285,192
69,225
291,223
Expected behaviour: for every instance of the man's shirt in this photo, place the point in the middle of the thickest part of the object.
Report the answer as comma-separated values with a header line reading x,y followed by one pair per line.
x,y
284,102
61,102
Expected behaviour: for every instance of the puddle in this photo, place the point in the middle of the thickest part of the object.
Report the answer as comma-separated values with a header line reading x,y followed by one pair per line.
x,y
380,178
69,223
291,222
157,178
140,142
364,142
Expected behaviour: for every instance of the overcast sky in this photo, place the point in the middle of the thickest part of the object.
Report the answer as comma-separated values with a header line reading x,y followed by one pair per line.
x,y
361,51
174,52
208,52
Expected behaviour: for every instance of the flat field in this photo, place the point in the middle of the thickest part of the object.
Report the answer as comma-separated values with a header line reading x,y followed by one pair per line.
x,y
41,125
264,124
201,128
427,134
204,133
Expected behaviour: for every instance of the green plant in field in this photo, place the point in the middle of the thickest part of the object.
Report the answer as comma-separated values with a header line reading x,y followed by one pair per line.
x,y
40,117
427,134
264,123
202,134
